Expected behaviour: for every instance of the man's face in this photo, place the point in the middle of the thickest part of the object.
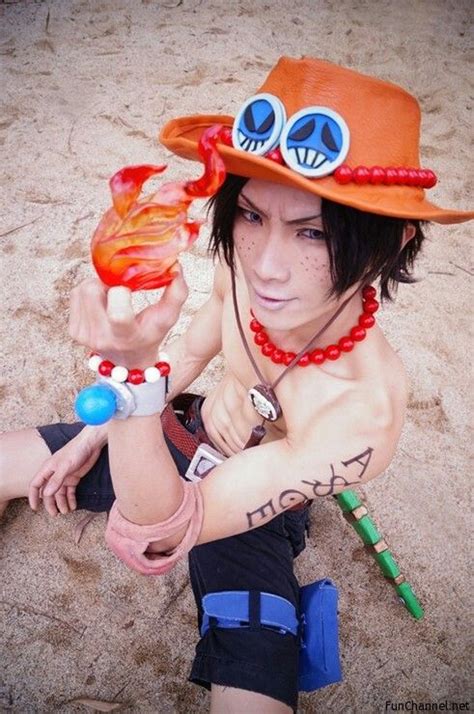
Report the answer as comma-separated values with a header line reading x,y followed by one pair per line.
x,y
279,241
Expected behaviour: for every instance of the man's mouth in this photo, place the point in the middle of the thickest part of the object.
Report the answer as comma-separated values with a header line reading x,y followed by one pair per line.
x,y
271,302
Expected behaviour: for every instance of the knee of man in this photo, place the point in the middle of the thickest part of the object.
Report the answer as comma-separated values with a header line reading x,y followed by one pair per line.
x,y
131,542
21,455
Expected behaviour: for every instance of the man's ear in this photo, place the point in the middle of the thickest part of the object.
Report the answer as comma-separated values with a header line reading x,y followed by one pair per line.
x,y
408,233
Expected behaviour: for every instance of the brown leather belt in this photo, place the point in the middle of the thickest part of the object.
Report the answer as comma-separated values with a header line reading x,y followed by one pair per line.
x,y
184,408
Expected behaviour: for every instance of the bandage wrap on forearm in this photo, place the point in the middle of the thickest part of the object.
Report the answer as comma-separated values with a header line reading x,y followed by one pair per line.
x,y
130,541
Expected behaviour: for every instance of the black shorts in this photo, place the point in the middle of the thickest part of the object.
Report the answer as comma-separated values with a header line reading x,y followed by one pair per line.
x,y
262,559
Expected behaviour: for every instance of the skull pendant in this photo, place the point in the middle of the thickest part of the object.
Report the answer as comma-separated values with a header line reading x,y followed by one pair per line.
x,y
265,402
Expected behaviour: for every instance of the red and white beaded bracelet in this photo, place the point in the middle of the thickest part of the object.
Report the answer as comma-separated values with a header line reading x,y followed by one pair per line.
x,y
152,374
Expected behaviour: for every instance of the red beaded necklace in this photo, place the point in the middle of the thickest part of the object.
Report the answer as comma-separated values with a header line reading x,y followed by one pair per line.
x,y
332,352
262,395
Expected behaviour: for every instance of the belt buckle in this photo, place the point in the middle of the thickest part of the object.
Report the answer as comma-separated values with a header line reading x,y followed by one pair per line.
x,y
204,460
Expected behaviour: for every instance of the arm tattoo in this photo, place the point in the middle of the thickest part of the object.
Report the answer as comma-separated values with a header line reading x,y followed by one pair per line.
x,y
323,488
320,488
362,459
268,509
327,489
290,498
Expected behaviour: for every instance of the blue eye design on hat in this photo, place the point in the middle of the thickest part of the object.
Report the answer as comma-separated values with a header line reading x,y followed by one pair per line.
x,y
315,141
259,123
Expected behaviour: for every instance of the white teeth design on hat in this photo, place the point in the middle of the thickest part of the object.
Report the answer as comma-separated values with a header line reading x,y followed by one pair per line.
x,y
248,144
308,157
321,162
311,155
244,140
299,155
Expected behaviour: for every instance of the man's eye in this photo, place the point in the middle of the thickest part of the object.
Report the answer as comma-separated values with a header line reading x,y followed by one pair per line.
x,y
250,216
313,234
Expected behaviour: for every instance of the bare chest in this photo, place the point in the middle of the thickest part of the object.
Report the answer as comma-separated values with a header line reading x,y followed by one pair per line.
x,y
296,391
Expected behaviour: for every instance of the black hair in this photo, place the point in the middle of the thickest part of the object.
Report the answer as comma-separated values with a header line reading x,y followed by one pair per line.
x,y
362,246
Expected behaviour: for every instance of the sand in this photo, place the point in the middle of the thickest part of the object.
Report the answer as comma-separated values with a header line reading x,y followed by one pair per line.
x,y
86,86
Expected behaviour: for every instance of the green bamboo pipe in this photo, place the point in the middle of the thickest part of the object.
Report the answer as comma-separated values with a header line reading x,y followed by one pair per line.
x,y
363,524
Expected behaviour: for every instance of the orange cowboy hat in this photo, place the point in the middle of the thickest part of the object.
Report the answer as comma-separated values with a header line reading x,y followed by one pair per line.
x,y
329,130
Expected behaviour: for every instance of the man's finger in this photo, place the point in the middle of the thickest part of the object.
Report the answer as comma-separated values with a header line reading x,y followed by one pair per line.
x,y
36,485
50,505
119,306
61,502
88,310
176,293
71,497
163,315
34,498
56,481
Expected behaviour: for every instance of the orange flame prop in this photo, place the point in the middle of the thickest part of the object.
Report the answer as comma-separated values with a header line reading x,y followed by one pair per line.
x,y
137,242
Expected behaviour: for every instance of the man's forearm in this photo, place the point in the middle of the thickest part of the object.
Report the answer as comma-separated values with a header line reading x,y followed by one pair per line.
x,y
146,482
185,367
98,434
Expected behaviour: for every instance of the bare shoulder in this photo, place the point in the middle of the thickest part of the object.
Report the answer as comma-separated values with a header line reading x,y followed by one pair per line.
x,y
356,418
222,280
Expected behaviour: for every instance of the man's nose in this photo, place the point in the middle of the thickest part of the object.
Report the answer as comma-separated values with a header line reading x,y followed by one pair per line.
x,y
271,260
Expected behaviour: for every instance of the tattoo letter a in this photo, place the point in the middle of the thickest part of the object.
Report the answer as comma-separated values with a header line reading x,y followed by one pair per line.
x,y
362,459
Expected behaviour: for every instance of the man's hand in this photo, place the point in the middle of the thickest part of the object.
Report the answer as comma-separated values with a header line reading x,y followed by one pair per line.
x,y
124,338
55,483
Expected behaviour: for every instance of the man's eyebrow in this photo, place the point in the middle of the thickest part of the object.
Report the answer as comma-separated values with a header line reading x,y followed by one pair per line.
x,y
306,219
252,205
294,221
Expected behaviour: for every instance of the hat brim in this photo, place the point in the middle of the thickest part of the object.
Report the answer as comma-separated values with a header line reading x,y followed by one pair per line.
x,y
181,136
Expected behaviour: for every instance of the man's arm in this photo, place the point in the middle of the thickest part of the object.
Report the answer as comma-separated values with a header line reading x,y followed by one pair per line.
x,y
320,457
251,487
336,453
190,353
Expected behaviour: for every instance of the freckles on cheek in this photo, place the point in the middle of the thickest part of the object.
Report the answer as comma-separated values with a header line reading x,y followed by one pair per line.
x,y
244,245
316,267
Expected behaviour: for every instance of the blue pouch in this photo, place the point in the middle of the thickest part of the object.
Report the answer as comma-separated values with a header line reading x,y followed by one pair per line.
x,y
319,663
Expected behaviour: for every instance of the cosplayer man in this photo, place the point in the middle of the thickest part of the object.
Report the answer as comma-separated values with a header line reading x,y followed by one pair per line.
x,y
324,197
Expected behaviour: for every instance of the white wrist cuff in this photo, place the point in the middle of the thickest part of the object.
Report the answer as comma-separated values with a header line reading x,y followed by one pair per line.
x,y
137,399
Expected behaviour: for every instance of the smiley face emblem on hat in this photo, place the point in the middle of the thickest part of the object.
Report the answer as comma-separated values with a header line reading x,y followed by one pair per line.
x,y
315,141
258,125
